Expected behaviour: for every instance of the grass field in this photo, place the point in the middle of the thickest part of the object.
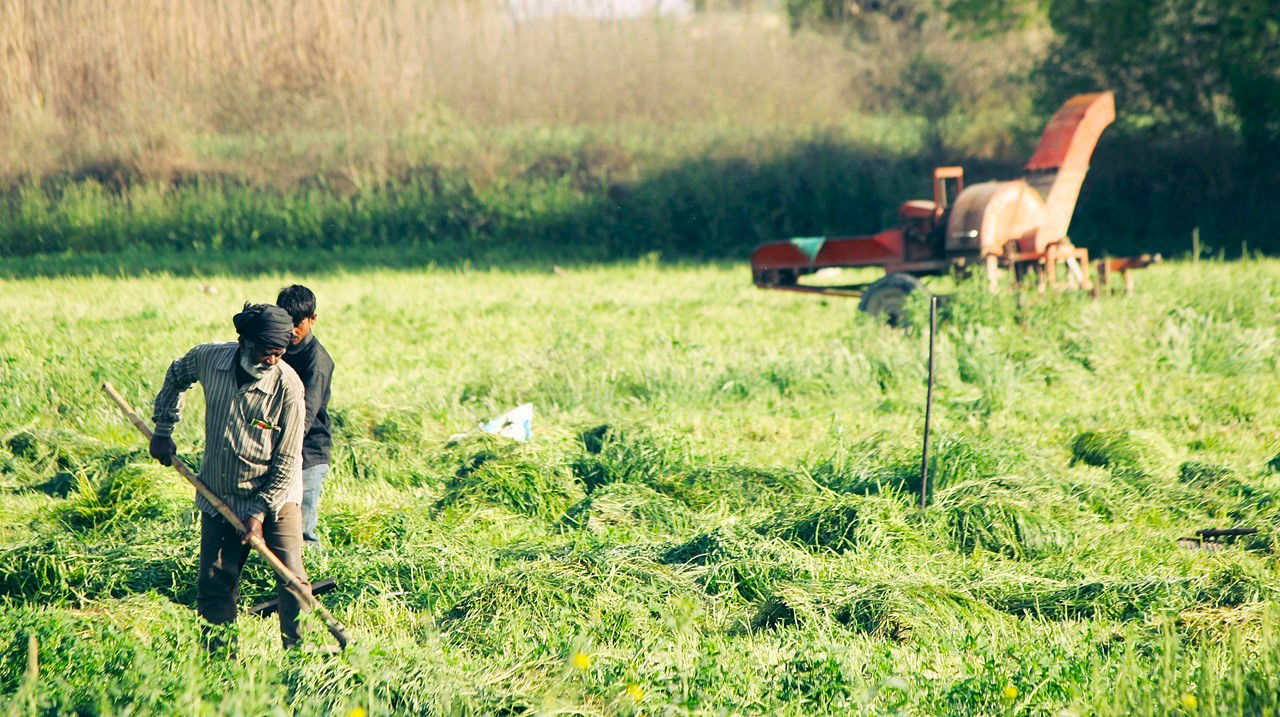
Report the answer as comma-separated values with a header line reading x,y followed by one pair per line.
x,y
716,514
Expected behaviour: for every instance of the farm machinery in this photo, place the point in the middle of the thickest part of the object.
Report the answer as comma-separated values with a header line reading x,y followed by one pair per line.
x,y
1018,226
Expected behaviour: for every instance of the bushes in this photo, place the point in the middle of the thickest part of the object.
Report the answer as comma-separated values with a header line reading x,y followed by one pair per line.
x,y
695,205
715,198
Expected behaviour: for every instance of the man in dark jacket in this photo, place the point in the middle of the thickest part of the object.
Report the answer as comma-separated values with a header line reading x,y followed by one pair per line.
x,y
313,365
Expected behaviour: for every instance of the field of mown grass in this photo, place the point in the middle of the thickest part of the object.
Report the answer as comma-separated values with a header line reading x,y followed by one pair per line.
x,y
717,513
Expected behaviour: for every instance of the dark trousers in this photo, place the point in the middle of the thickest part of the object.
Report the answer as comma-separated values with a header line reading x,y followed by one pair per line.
x,y
222,557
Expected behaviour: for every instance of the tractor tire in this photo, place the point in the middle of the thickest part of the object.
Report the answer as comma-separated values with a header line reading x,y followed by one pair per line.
x,y
887,298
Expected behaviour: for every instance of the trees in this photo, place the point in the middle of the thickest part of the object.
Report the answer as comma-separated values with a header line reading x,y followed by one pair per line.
x,y
1197,64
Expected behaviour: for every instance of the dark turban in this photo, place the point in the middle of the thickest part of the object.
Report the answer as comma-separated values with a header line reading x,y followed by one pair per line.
x,y
265,325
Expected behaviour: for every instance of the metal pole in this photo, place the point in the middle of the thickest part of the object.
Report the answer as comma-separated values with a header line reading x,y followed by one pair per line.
x,y
928,406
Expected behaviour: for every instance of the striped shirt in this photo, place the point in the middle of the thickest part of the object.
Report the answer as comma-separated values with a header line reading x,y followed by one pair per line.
x,y
252,434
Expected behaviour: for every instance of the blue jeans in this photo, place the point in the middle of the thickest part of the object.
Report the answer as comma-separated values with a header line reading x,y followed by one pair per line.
x,y
312,486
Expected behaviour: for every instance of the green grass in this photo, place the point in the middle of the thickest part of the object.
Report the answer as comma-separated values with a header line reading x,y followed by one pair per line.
x,y
719,506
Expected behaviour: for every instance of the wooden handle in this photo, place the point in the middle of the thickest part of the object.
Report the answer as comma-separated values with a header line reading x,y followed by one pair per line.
x,y
335,628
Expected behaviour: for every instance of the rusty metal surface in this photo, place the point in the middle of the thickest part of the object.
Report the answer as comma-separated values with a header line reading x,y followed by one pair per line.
x,y
1062,159
849,290
1126,263
940,177
1074,127
987,216
874,250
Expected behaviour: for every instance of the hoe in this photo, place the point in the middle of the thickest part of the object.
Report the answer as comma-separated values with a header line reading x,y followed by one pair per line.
x,y
1018,225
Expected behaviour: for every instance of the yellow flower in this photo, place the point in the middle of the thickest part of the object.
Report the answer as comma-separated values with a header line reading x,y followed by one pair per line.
x,y
1189,700
1010,692
635,692
580,660
357,712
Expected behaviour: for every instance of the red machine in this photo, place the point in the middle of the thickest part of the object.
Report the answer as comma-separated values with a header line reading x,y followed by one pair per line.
x,y
1019,225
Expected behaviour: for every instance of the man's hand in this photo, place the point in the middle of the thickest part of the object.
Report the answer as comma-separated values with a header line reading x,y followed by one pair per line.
x,y
252,527
163,449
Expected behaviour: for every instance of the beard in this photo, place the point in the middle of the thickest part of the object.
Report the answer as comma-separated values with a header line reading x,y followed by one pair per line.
x,y
256,370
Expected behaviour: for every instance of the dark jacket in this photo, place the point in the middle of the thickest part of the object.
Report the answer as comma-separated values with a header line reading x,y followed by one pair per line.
x,y
315,368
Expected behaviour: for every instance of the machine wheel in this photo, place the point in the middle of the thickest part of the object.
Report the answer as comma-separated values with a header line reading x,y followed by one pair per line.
x,y
887,297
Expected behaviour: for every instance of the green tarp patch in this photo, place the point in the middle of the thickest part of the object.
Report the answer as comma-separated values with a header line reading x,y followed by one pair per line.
x,y
809,245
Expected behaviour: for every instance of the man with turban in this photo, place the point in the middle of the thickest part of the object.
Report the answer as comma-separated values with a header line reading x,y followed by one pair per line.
x,y
254,421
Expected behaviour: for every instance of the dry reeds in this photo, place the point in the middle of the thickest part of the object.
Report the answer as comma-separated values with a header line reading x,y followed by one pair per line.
x,y
153,81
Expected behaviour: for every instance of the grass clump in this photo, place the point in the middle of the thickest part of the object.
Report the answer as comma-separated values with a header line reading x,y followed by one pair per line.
x,y
899,610
884,464
668,465
521,478
1204,475
1106,449
628,507
50,460
115,500
617,455
59,568
554,598
842,524
1126,453
833,527
739,561
375,527
1011,516
1120,598
1225,493
1116,599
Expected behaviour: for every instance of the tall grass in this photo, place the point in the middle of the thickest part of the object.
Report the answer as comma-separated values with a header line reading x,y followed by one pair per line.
x,y
280,85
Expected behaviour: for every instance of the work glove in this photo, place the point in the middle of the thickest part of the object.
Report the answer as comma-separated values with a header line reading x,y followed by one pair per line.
x,y
163,449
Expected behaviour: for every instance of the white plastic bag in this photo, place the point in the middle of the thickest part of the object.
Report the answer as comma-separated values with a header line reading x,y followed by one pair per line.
x,y
516,423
